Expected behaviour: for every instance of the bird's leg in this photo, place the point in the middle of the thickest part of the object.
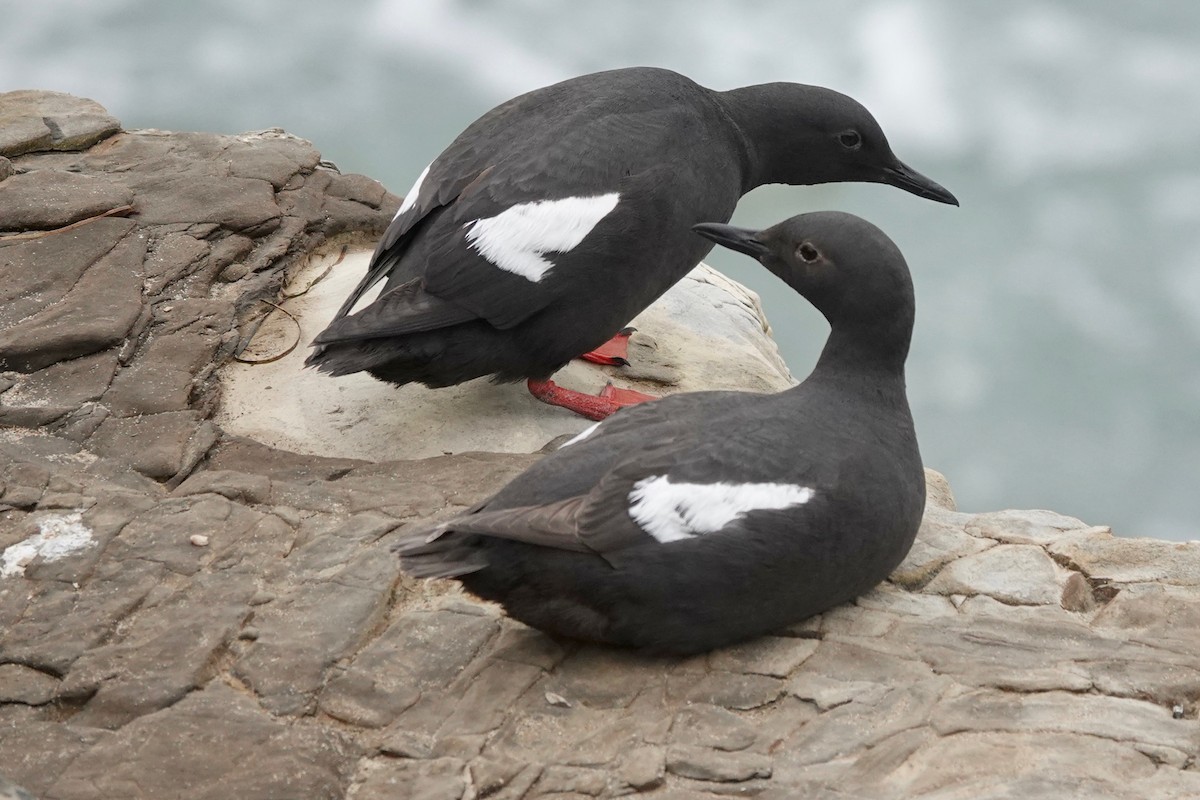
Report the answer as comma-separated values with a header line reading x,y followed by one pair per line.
x,y
595,407
614,352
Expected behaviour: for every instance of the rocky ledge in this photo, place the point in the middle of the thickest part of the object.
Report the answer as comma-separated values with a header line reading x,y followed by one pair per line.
x,y
185,612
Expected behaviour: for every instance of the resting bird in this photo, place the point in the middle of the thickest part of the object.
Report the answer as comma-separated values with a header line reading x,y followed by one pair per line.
x,y
703,519
555,218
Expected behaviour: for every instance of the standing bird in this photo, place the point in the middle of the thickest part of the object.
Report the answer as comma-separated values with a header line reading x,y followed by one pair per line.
x,y
557,217
704,519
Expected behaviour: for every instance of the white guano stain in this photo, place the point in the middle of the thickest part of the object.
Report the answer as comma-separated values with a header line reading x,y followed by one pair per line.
x,y
58,536
671,512
517,239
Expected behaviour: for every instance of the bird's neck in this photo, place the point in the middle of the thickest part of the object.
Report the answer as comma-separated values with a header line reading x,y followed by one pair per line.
x,y
870,356
768,146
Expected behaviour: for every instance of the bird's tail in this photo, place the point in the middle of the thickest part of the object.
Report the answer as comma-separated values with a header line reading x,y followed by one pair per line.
x,y
436,552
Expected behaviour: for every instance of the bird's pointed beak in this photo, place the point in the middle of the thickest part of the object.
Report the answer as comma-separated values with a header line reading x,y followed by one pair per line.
x,y
905,177
742,240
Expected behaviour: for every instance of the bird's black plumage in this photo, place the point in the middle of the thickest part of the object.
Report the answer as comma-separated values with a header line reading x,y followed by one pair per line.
x,y
674,153
702,519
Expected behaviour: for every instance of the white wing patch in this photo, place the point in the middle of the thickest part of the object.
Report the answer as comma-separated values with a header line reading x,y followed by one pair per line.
x,y
671,512
411,197
516,239
579,437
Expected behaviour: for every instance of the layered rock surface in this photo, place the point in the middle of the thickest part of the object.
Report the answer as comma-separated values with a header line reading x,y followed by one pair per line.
x,y
190,613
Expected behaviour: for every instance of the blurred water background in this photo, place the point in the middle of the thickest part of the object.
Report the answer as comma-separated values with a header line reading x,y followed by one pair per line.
x,y
1056,361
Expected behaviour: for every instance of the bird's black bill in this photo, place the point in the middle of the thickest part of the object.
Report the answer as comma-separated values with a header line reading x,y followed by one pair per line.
x,y
905,177
742,240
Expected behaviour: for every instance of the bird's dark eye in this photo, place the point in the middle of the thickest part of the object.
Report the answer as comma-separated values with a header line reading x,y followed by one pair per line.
x,y
808,253
851,140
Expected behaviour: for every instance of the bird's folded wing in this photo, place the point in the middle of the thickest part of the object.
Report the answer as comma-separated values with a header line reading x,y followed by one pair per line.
x,y
553,525
405,309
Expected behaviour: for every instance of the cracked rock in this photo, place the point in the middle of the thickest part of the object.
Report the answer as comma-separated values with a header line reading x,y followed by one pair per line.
x,y
1014,654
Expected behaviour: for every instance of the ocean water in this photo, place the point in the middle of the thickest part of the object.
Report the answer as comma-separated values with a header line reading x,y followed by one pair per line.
x,y
1056,362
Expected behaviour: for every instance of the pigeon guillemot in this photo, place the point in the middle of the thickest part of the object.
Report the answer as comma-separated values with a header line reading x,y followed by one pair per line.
x,y
703,519
555,218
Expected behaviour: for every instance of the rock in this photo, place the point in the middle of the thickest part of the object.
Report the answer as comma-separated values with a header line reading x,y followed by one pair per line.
x,y
387,779
1018,574
23,134
777,656
732,690
20,684
1130,560
1023,527
1013,654
424,651
940,540
1116,718
97,313
154,445
37,200
557,780
712,727
588,679
158,756
163,653
643,769
10,791
829,692
938,492
40,120
39,272
703,764
234,203
1077,594
303,634
284,405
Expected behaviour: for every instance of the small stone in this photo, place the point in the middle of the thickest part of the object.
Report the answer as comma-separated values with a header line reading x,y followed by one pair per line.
x,y
234,272
1077,594
199,539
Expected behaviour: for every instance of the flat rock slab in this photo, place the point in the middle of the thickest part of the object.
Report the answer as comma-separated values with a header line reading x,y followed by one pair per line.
x,y
189,612
256,609
39,120
705,333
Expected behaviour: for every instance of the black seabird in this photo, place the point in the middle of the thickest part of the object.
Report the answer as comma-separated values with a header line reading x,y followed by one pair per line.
x,y
702,519
557,217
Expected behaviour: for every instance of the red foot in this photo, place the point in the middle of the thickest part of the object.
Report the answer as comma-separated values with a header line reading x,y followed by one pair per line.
x,y
624,397
614,352
595,407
